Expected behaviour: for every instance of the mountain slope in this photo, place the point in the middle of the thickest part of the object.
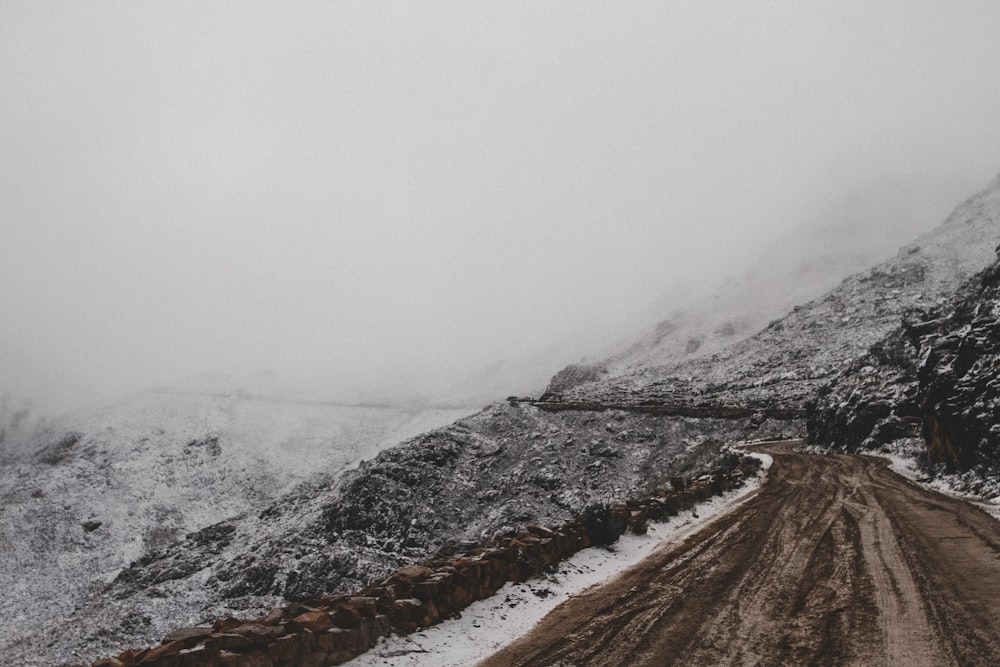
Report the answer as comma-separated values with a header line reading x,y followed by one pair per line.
x,y
440,492
503,467
793,356
110,485
929,386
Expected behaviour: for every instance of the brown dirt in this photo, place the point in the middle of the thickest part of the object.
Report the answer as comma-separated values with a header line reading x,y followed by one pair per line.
x,y
836,560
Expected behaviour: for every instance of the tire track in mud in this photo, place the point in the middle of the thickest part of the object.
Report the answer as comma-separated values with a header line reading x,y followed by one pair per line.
x,y
834,561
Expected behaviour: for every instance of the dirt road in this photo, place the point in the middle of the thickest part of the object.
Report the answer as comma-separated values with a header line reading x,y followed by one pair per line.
x,y
835,561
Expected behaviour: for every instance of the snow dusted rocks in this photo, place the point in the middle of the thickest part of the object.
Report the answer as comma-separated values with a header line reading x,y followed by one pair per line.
x,y
331,630
107,487
600,438
873,402
936,377
930,385
960,380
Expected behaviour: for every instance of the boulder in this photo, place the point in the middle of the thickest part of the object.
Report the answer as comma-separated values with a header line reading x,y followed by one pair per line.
x,y
189,636
226,624
256,634
161,653
317,621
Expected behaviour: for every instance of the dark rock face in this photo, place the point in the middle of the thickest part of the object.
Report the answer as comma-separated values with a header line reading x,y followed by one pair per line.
x,y
937,376
872,403
571,376
960,380
91,526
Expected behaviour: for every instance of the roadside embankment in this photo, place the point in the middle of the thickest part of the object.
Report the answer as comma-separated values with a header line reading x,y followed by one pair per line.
x,y
335,629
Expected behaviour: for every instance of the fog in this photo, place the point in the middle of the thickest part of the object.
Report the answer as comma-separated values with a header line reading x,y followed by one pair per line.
x,y
403,194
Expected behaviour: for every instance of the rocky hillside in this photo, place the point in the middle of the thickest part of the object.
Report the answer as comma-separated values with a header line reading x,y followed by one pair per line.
x,y
699,318
331,630
602,434
436,494
100,489
933,379
786,363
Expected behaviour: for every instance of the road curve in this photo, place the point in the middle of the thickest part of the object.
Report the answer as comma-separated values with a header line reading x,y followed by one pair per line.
x,y
836,560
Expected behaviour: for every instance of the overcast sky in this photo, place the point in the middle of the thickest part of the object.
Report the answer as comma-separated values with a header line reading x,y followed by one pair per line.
x,y
378,188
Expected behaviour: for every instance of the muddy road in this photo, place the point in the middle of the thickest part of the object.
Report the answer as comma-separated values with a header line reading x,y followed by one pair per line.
x,y
836,560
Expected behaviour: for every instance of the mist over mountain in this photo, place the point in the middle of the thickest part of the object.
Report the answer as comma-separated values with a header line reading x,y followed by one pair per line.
x,y
853,233
270,275
214,497
396,201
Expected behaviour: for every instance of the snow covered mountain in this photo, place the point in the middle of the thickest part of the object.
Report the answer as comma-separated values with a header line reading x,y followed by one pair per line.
x,y
928,388
786,362
234,503
109,485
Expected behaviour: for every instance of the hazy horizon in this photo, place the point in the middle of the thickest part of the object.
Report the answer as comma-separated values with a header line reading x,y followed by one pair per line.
x,y
381,192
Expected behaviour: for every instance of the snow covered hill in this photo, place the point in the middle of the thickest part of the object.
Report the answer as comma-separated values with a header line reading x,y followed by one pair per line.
x,y
929,388
109,485
786,362
176,507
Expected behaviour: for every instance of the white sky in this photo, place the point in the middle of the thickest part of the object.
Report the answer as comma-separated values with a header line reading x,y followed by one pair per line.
x,y
390,188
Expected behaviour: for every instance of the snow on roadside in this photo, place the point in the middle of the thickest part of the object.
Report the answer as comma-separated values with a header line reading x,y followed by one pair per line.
x,y
766,460
902,466
488,625
907,467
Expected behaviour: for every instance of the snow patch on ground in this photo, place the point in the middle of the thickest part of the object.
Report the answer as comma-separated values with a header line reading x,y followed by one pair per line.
x,y
766,460
907,468
903,466
488,625
991,506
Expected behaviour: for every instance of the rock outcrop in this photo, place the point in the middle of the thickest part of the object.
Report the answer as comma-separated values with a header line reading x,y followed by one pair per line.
x,y
959,378
881,358
571,376
936,376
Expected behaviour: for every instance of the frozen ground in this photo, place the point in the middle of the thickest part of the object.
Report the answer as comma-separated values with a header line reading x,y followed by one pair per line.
x,y
488,625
